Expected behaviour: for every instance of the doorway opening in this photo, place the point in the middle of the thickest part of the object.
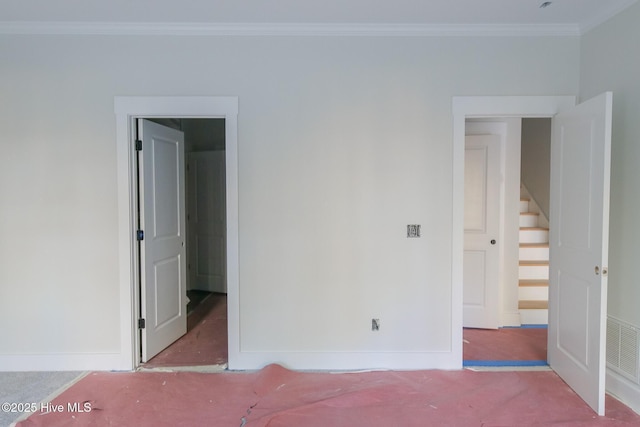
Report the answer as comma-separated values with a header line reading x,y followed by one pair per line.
x,y
205,342
506,312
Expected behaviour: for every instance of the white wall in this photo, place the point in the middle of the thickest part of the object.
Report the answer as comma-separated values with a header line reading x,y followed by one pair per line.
x,y
609,61
342,142
536,160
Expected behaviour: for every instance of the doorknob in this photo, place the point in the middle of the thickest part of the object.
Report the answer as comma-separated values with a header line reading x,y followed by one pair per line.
x,y
493,241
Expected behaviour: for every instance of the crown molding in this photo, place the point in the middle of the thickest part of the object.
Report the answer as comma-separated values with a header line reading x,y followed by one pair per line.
x,y
258,29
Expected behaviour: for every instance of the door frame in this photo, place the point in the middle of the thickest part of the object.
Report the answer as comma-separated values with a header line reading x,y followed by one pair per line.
x,y
127,109
468,107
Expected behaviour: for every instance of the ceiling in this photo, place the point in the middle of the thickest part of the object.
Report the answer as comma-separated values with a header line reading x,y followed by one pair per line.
x,y
571,15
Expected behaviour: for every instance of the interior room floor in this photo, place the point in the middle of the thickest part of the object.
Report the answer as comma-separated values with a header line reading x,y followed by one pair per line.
x,y
508,344
277,397
206,340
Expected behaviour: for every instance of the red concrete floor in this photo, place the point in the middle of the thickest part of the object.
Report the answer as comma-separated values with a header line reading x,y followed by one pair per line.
x,y
206,340
277,397
505,344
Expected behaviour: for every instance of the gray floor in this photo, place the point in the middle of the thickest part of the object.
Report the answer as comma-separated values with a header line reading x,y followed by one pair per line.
x,y
31,387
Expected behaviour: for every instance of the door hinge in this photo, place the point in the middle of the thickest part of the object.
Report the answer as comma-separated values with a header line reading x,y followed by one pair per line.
x,y
141,323
138,145
140,235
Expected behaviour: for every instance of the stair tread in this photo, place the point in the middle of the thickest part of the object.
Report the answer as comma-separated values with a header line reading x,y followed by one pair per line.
x,y
530,213
534,228
533,282
533,305
534,263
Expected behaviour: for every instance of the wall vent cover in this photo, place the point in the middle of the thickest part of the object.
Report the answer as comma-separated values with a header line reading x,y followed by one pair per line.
x,y
623,349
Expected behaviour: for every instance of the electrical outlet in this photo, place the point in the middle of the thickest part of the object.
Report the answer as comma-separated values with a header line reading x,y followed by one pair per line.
x,y
375,324
413,230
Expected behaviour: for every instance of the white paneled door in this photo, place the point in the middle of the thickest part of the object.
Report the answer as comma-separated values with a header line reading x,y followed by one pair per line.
x,y
481,227
162,246
207,221
579,217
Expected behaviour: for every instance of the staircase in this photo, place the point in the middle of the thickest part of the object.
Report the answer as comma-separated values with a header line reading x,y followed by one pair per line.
x,y
533,289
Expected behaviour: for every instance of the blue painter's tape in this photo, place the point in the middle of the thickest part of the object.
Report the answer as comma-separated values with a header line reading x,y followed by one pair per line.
x,y
526,327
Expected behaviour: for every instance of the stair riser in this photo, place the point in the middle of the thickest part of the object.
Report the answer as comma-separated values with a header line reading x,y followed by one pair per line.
x,y
524,206
528,220
534,254
533,293
533,272
534,236
534,317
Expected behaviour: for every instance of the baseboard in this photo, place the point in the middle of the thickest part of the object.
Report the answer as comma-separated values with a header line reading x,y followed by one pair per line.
x,y
511,318
339,361
61,362
624,390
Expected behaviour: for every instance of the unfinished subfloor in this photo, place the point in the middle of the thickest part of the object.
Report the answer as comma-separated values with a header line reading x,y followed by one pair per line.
x,y
206,340
277,397
505,344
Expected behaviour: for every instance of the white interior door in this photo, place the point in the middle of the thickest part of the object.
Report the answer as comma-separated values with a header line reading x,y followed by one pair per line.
x,y
207,221
162,249
579,218
481,291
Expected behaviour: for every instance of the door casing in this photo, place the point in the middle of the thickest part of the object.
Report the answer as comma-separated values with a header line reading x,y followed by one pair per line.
x,y
127,109
482,107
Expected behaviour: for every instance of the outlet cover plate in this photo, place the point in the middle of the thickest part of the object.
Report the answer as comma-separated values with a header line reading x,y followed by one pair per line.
x,y
413,230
